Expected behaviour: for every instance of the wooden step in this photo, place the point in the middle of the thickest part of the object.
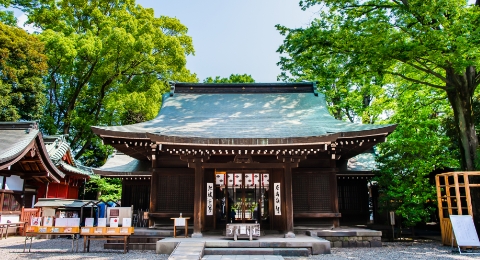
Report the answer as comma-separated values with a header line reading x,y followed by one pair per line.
x,y
291,251
131,246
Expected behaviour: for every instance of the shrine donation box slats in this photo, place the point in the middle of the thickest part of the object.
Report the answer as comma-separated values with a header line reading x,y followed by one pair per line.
x,y
242,230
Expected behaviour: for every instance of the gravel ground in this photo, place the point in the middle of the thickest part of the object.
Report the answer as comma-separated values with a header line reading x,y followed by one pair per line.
x,y
12,248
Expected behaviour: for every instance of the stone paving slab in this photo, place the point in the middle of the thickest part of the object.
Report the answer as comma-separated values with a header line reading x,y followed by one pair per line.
x,y
243,257
188,250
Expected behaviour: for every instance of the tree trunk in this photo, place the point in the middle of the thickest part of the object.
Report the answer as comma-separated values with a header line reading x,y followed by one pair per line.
x,y
460,95
460,92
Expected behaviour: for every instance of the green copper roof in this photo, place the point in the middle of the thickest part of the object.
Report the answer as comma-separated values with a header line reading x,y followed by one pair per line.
x,y
211,115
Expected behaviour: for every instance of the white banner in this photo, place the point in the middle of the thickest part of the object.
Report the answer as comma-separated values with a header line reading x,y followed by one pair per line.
x,y
210,199
277,198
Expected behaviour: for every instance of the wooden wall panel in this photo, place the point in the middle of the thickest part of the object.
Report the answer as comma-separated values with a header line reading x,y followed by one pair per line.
x,y
174,192
353,200
312,192
136,193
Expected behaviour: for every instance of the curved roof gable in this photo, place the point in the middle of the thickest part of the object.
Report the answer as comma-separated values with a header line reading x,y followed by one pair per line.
x,y
243,111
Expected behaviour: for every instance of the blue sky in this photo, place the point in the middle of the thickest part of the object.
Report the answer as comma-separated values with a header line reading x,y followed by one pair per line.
x,y
234,37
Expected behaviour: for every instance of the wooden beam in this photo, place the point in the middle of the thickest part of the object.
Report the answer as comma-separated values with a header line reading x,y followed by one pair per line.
x,y
232,165
317,215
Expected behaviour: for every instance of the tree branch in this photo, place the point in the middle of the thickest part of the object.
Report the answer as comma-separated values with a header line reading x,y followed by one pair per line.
x,y
417,81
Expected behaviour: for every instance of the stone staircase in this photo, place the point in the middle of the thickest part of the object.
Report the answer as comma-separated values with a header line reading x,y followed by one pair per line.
x,y
142,239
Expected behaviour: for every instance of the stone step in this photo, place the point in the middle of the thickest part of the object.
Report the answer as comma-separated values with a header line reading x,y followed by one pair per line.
x,y
291,251
243,257
188,250
131,246
139,239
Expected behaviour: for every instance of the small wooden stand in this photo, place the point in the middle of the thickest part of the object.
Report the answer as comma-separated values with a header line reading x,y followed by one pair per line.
x,y
180,222
106,233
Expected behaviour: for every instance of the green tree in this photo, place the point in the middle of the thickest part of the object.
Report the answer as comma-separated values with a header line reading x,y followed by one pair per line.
x,y
22,65
417,147
107,60
106,189
234,78
437,40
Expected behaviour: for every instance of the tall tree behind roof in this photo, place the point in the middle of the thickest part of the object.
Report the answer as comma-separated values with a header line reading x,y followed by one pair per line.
x,y
107,58
438,40
234,78
22,66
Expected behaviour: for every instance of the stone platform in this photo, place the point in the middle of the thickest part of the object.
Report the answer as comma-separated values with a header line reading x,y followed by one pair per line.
x,y
301,245
349,236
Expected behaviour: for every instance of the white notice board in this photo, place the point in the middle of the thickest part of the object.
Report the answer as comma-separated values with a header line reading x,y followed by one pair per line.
x,y
464,230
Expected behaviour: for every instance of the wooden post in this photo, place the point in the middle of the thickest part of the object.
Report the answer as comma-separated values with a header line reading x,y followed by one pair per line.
x,y
447,192
197,202
288,198
439,197
334,196
457,194
153,185
467,194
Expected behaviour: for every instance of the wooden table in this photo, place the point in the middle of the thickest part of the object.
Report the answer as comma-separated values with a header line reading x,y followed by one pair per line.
x,y
106,233
5,226
58,231
180,222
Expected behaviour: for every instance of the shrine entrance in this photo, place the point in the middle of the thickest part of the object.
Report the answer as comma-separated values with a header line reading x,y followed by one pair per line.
x,y
242,197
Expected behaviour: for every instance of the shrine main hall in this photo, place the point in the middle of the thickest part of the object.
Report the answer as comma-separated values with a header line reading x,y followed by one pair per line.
x,y
267,153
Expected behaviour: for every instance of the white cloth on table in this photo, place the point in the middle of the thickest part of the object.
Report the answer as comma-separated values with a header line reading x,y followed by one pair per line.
x,y
179,222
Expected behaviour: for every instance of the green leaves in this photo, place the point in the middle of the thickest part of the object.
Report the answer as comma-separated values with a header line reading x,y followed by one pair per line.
x,y
109,63
22,66
106,189
418,147
234,78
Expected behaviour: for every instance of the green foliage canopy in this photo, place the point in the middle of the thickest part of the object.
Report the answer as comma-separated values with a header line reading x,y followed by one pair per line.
x,y
106,189
108,60
417,147
437,40
234,78
22,65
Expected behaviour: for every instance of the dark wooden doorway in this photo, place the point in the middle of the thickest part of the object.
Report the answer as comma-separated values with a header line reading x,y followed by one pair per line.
x,y
242,197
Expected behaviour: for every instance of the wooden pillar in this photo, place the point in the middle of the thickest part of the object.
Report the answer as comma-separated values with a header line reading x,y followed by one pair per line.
x,y
334,196
288,198
153,184
197,202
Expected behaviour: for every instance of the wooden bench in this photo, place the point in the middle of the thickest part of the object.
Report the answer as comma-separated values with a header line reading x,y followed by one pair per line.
x,y
5,226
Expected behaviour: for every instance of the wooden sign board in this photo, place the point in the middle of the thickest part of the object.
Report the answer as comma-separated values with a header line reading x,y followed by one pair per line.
x,y
464,230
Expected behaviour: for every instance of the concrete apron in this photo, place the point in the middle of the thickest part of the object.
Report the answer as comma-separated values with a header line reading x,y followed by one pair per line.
x,y
273,242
